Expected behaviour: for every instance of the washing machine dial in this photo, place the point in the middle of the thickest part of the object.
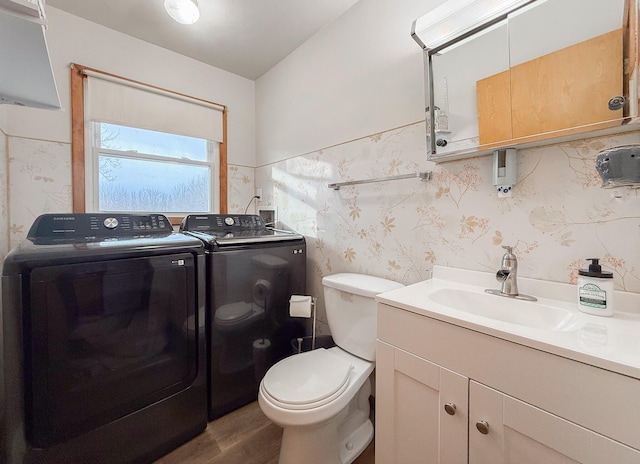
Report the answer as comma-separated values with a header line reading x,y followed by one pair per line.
x,y
110,223
229,221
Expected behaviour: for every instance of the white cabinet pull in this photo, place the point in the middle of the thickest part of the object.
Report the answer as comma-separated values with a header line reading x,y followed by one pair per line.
x,y
450,408
483,427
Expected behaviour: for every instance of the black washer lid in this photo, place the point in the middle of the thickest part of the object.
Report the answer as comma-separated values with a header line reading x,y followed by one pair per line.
x,y
69,228
222,223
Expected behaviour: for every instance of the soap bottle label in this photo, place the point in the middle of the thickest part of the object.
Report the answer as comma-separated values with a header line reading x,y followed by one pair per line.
x,y
593,296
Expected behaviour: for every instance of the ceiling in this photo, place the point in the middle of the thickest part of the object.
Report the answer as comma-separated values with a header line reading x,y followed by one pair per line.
x,y
244,37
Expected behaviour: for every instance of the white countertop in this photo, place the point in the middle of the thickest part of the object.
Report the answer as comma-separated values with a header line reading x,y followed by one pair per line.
x,y
611,343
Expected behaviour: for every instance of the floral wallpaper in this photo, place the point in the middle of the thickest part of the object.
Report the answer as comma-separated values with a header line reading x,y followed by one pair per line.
x,y
557,216
241,189
39,182
38,175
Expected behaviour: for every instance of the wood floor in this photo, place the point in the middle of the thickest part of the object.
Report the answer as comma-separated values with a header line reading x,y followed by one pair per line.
x,y
244,436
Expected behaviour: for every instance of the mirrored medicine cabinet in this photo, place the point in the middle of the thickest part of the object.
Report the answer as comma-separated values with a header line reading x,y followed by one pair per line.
x,y
527,73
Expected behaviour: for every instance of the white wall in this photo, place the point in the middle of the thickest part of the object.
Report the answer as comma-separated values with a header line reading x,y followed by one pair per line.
x,y
358,76
72,39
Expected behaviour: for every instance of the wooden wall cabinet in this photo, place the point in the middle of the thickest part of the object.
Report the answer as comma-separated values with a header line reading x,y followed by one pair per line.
x,y
561,93
449,395
542,73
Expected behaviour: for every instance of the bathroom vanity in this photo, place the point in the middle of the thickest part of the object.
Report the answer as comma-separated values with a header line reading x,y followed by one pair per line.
x,y
468,377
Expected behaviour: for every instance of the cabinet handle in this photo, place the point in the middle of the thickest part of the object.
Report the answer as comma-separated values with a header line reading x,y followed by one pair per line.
x,y
617,103
450,408
483,427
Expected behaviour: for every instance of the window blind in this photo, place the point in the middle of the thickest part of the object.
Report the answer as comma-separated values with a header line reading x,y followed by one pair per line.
x,y
120,101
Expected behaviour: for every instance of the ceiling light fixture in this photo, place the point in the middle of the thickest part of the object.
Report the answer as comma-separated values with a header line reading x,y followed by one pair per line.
x,y
183,11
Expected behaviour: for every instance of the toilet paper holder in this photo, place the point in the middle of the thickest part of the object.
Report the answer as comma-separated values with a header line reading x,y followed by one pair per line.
x,y
313,316
313,327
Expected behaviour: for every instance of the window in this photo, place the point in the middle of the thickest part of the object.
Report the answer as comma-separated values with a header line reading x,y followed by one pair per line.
x,y
132,169
127,155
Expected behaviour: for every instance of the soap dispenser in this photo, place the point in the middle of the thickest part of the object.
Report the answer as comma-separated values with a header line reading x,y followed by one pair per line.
x,y
595,290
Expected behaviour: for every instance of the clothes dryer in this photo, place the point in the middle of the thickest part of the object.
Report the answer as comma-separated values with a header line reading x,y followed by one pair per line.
x,y
103,338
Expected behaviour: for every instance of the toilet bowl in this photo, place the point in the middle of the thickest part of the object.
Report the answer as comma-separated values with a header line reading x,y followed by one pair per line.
x,y
321,397
325,386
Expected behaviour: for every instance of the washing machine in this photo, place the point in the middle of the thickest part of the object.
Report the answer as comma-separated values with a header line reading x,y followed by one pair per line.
x,y
104,340
252,271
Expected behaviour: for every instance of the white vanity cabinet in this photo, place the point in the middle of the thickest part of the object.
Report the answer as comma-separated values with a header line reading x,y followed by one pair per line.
x,y
505,430
412,424
535,407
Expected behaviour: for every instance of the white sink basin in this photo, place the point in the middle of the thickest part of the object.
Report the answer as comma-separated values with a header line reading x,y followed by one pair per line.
x,y
552,324
532,314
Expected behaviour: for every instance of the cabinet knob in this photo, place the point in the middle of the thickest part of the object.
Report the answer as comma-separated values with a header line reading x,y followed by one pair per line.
x,y
617,103
483,427
450,408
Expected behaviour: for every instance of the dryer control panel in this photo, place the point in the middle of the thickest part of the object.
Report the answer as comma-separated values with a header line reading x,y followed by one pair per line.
x,y
97,226
222,222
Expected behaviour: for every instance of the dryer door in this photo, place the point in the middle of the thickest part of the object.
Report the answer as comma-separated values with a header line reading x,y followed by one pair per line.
x,y
104,339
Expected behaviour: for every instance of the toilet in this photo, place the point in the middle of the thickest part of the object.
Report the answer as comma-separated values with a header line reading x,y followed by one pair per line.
x,y
321,397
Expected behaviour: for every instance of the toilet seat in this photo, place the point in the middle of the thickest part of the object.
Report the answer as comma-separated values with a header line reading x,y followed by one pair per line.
x,y
306,380
233,312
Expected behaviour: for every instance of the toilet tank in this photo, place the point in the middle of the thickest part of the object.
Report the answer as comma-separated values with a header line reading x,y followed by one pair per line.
x,y
349,301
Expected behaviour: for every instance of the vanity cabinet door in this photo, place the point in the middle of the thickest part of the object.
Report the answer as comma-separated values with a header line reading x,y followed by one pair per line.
x,y
412,424
504,430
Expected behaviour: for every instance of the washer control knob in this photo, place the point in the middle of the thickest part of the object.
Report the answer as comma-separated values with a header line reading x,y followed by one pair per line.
x,y
110,223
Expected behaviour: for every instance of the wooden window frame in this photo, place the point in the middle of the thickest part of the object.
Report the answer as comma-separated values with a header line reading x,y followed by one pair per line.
x,y
78,142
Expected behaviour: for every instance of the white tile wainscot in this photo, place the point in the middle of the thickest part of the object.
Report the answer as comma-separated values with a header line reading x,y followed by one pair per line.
x,y
562,395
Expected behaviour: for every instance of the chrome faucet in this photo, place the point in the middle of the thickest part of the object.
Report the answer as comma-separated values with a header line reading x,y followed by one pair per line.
x,y
507,275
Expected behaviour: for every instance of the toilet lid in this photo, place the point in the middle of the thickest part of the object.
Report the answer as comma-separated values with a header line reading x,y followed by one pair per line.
x,y
233,312
308,377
